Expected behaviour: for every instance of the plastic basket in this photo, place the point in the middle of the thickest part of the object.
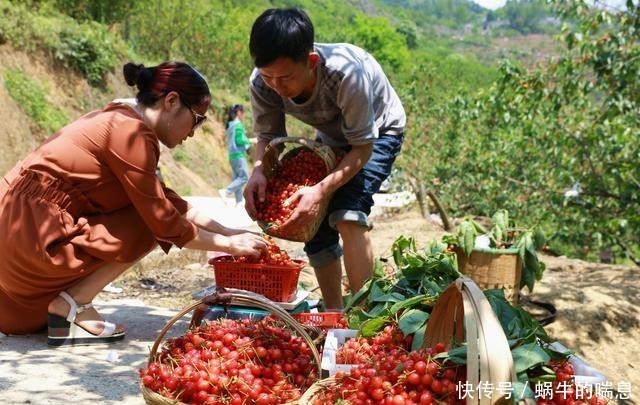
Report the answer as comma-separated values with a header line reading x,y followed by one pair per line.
x,y
223,297
463,313
493,268
323,320
277,283
278,149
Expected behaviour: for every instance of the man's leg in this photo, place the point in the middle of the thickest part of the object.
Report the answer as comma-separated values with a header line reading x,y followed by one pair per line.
x,y
330,281
358,253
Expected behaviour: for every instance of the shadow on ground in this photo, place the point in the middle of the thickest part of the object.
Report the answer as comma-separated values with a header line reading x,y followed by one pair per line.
x,y
33,373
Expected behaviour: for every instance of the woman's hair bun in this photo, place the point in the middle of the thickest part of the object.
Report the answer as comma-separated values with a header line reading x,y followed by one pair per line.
x,y
135,74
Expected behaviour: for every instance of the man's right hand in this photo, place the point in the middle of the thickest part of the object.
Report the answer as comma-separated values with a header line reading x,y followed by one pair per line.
x,y
255,191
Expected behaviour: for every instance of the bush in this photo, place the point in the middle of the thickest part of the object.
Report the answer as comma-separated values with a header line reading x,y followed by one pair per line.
x,y
86,47
32,98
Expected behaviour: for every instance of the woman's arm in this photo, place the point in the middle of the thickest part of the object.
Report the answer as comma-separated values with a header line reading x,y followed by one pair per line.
x,y
208,224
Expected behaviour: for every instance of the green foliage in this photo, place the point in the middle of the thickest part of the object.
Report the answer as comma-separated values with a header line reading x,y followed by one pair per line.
x,y
405,292
525,142
526,16
88,47
505,235
31,96
378,37
103,11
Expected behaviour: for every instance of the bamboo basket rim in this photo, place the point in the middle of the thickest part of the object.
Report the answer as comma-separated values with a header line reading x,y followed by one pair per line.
x,y
221,295
315,389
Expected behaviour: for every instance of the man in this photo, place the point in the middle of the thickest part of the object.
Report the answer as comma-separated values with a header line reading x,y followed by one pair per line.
x,y
341,91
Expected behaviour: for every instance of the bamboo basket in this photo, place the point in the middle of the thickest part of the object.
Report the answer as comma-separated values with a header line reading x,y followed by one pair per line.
x,y
493,268
315,389
222,296
462,313
282,148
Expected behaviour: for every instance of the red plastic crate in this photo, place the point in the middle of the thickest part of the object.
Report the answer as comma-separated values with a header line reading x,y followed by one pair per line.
x,y
277,283
324,320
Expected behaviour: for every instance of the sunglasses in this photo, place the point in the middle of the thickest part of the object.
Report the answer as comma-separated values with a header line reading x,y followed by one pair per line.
x,y
198,119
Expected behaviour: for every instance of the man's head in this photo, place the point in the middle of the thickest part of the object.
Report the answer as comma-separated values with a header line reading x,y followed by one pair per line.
x,y
281,45
279,33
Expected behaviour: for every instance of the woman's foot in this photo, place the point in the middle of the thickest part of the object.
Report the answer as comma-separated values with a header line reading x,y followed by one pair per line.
x,y
89,319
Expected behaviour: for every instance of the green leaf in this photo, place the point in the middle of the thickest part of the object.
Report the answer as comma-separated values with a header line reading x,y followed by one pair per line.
x,y
528,356
418,339
412,320
399,246
466,237
390,298
410,302
539,239
372,326
456,355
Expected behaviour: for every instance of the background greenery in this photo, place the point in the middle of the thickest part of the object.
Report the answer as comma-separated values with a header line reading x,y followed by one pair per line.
x,y
486,129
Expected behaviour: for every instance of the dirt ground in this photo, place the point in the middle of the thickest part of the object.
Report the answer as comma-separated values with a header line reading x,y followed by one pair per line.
x,y
597,304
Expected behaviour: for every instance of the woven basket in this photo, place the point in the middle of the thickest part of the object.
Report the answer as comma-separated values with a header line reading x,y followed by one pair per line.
x,y
310,394
463,313
222,296
493,268
282,148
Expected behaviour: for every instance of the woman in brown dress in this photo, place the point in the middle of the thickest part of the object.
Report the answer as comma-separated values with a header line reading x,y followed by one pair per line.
x,y
87,204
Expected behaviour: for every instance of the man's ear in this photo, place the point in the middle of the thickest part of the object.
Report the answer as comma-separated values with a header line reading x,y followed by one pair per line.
x,y
313,59
171,100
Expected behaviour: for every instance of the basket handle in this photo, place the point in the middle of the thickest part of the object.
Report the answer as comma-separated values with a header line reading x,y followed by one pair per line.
x,y
232,297
488,353
292,139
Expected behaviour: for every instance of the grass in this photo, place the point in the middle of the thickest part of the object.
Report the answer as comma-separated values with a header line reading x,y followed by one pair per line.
x,y
32,97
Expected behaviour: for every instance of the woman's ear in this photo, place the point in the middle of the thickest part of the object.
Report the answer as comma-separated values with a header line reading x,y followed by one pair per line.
x,y
171,101
313,59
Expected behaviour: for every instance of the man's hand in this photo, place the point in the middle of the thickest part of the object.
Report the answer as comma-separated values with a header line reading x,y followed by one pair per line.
x,y
255,191
308,208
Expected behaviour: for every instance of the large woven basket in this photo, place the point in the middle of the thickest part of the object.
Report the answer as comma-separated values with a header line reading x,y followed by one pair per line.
x,y
281,148
232,298
309,395
462,313
493,268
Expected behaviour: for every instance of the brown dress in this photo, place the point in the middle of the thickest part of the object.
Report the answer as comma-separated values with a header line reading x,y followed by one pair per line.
x,y
86,197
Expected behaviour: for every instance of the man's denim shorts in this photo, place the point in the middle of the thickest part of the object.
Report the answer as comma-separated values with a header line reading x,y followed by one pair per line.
x,y
353,201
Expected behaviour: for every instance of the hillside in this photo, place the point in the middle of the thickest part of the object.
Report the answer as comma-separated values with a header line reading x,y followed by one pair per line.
x,y
198,167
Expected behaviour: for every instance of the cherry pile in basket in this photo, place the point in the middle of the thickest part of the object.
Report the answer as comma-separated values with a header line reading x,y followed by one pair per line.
x,y
385,372
233,362
272,256
305,168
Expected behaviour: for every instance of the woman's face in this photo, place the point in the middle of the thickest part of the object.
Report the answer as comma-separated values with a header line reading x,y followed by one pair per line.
x,y
180,121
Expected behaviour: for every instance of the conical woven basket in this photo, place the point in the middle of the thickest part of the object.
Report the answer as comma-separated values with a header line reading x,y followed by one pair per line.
x,y
281,148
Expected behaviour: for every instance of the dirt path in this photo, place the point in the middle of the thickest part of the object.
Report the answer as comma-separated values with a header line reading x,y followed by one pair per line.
x,y
597,306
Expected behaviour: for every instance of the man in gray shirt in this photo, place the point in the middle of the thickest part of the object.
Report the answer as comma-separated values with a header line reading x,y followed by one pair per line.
x,y
341,91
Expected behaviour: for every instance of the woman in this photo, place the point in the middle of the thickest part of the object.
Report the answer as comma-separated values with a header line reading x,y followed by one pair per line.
x,y
237,146
86,205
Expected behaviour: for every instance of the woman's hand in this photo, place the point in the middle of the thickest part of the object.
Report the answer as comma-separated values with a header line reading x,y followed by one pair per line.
x,y
247,244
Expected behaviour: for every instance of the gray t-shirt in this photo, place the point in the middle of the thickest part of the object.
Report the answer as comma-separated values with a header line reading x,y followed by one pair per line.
x,y
351,104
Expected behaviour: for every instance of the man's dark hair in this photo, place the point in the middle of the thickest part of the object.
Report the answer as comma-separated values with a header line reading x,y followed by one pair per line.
x,y
281,33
